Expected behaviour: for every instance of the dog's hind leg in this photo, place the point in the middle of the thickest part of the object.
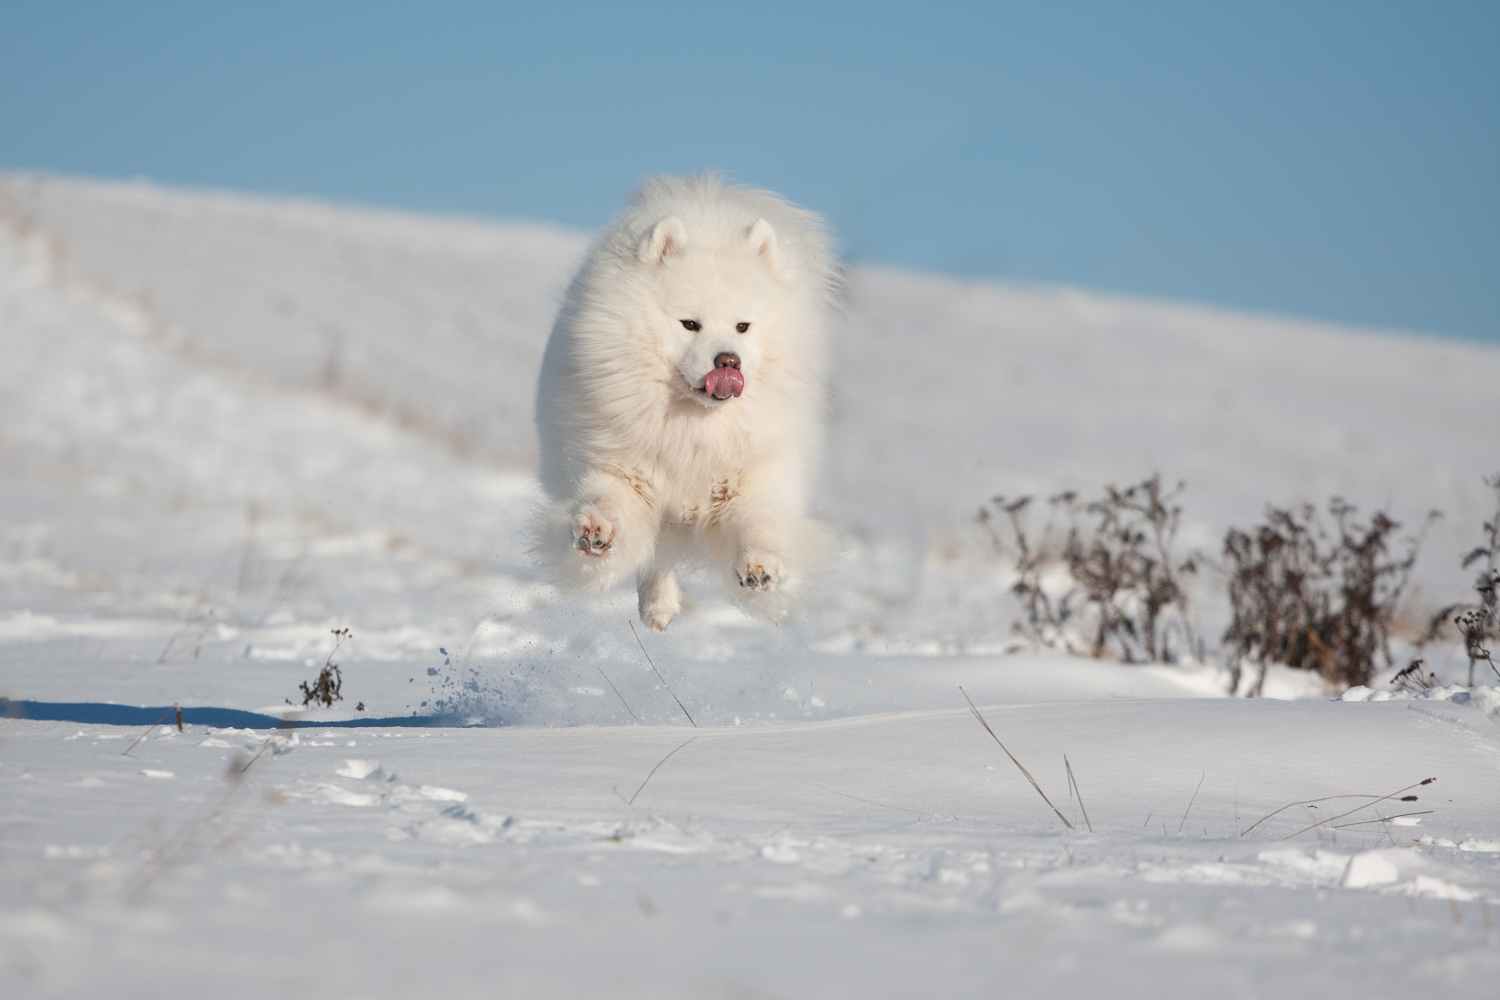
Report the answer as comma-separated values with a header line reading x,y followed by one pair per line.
x,y
660,596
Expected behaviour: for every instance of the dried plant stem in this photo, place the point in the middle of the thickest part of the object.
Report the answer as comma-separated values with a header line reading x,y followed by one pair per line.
x,y
1315,597
975,711
1125,596
1383,819
179,633
248,557
655,769
152,727
288,721
1383,798
1191,801
617,693
1073,784
1304,802
663,680
262,750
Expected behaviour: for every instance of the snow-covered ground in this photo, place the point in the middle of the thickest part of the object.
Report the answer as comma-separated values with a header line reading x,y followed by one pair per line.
x,y
230,426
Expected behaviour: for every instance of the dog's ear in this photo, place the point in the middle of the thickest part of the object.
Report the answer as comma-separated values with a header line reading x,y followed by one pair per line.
x,y
667,237
763,242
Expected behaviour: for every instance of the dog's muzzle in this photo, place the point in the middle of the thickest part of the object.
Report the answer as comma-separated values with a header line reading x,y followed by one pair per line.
x,y
726,379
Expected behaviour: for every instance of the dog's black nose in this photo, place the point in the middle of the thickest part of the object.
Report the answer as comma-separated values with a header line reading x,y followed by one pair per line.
x,y
727,360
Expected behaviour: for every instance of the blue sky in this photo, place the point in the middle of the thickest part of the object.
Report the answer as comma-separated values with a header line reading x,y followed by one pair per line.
x,y
1324,159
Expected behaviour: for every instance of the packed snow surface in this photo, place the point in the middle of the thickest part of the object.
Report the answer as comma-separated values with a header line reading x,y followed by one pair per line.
x,y
231,426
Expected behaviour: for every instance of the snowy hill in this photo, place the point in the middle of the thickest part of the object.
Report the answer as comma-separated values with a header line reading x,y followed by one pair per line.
x,y
231,425
358,387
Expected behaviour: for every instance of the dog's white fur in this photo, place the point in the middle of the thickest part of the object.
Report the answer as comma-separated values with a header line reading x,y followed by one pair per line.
x,y
644,471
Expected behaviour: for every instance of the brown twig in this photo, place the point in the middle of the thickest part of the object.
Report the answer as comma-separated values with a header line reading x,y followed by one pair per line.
x,y
975,711
1356,809
1073,783
659,676
151,727
655,769
617,693
1191,801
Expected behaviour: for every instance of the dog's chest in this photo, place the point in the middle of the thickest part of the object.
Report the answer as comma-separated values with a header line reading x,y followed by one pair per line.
x,y
702,503
696,471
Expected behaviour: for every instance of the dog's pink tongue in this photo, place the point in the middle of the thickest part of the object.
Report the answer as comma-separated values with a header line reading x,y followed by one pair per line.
x,y
722,383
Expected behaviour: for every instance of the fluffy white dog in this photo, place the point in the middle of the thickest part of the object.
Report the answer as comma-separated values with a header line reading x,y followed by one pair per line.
x,y
680,404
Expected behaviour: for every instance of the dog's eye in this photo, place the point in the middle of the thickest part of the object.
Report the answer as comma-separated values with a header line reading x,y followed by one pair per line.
x,y
742,327
692,324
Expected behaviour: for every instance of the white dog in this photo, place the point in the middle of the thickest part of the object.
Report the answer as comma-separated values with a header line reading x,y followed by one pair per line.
x,y
680,404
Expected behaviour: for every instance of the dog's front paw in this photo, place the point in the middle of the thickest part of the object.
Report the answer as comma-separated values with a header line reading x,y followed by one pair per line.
x,y
593,533
758,571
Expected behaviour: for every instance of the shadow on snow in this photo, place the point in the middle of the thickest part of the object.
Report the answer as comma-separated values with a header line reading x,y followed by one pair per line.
x,y
102,714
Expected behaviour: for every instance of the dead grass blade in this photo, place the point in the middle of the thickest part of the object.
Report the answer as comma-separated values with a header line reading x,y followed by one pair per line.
x,y
152,727
975,711
252,760
663,680
288,721
1191,801
1304,802
861,798
186,626
248,557
1383,819
1351,812
654,770
617,693
1073,784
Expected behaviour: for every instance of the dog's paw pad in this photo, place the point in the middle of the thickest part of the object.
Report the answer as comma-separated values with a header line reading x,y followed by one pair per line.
x,y
658,618
593,534
758,571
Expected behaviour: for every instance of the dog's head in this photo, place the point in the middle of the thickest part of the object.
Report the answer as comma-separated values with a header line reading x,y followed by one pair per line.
x,y
715,302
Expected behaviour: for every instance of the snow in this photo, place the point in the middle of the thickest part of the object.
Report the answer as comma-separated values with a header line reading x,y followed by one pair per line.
x,y
230,426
